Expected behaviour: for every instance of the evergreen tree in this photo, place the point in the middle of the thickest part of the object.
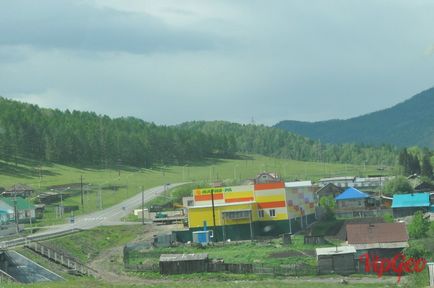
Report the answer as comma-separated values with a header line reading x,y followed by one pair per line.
x,y
426,169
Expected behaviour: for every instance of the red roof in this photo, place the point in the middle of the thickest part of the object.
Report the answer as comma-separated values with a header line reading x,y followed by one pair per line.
x,y
376,233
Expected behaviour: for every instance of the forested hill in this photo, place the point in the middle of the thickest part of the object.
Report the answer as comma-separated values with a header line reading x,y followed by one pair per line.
x,y
30,132
85,138
276,142
406,124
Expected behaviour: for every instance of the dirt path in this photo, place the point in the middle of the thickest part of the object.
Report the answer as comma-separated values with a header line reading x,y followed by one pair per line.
x,y
109,264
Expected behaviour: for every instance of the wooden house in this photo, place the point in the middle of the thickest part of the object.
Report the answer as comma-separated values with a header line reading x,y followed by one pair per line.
x,y
407,204
19,190
378,239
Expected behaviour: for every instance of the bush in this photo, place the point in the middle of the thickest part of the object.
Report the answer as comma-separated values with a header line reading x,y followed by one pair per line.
x,y
398,185
388,218
416,250
419,226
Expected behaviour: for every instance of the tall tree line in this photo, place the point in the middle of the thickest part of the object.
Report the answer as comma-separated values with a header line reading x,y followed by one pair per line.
x,y
260,139
412,163
27,131
85,138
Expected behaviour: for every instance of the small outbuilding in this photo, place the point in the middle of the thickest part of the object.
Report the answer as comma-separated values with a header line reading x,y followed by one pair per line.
x,y
183,263
339,260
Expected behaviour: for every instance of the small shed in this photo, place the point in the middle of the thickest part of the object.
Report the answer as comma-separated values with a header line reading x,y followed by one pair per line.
x,y
183,263
339,260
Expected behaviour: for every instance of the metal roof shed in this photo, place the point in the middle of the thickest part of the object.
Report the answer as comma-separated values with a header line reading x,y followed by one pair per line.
x,y
339,259
183,263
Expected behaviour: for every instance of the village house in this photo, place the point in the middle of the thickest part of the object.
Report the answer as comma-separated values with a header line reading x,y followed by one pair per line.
x,y
355,203
19,190
25,210
407,204
378,239
329,189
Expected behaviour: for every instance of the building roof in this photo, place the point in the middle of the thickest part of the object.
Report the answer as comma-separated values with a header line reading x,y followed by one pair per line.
x,y
393,245
376,233
334,179
298,184
335,250
351,193
22,204
411,200
182,257
19,188
222,204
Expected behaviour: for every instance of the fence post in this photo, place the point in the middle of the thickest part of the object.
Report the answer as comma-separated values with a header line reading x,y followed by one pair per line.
x,y
431,273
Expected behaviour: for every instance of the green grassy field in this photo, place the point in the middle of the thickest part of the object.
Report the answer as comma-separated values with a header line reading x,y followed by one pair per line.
x,y
116,185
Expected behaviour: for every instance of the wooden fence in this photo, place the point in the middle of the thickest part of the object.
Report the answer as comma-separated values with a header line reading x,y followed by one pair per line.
x,y
282,270
61,258
314,240
141,267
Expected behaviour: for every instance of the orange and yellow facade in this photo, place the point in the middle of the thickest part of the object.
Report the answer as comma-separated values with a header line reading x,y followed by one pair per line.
x,y
268,208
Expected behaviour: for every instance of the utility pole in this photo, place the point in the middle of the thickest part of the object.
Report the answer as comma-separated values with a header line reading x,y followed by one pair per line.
x,y
100,198
143,206
213,210
16,210
81,186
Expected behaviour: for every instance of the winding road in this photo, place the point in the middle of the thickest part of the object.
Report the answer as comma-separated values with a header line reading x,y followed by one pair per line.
x,y
105,217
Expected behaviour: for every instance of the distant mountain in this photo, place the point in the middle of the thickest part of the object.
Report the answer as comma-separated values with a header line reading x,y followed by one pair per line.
x,y
406,124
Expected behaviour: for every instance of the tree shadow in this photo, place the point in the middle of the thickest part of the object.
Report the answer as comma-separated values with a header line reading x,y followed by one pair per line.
x,y
9,169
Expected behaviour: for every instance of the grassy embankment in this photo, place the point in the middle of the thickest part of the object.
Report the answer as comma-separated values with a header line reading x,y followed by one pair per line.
x,y
115,188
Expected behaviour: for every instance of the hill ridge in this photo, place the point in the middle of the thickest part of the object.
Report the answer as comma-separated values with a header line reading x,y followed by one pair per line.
x,y
407,123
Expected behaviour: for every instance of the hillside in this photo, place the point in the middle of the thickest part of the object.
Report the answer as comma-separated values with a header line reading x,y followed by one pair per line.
x,y
87,139
405,124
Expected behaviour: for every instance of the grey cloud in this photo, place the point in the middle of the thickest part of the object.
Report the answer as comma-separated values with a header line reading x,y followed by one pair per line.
x,y
77,26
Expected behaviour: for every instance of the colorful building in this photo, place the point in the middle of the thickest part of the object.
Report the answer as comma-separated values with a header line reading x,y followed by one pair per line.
x,y
248,211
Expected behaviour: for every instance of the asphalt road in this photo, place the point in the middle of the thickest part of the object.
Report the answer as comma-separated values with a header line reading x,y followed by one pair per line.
x,y
27,271
108,216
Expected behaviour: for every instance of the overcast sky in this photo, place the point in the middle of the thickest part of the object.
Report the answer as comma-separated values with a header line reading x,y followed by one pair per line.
x,y
173,61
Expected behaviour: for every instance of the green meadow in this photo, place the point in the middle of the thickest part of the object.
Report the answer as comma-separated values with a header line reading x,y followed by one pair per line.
x,y
117,184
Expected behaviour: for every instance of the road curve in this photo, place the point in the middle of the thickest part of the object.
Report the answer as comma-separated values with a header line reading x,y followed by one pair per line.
x,y
111,215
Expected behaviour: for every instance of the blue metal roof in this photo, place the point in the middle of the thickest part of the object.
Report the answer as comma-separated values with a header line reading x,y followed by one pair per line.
x,y
351,193
410,200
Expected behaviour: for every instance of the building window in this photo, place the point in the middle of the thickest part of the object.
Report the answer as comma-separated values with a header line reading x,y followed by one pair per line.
x,y
261,213
272,213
